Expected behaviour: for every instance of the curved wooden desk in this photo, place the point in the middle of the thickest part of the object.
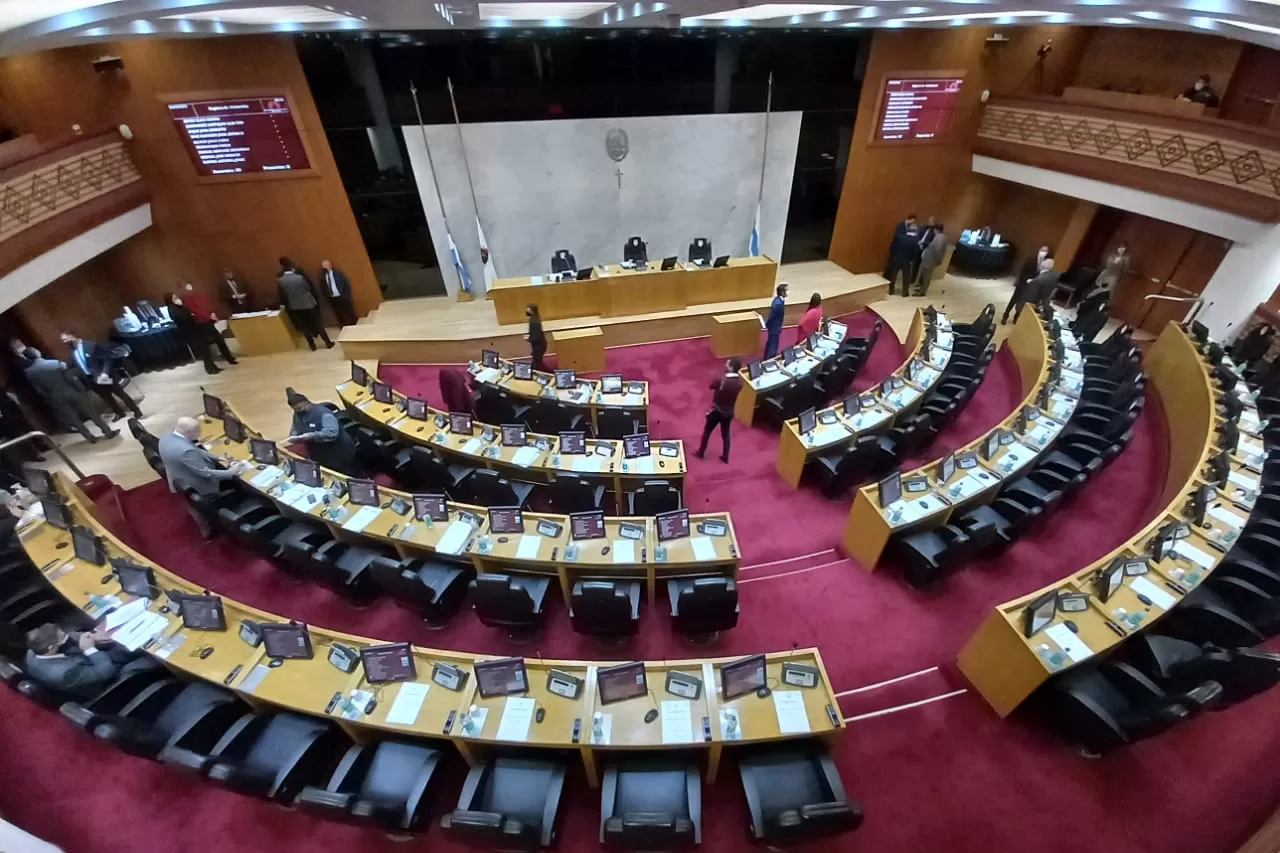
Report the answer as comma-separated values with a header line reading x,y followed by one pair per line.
x,y
870,526
836,428
613,290
586,395
1006,666
667,461
778,374
309,686
542,554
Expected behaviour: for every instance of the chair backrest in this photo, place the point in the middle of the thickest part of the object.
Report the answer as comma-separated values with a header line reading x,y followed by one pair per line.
x,y
634,249
656,496
615,423
700,249
488,488
391,775
497,602
571,493
563,261
600,607
710,605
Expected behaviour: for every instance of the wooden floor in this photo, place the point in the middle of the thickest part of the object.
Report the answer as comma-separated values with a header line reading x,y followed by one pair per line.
x,y
256,387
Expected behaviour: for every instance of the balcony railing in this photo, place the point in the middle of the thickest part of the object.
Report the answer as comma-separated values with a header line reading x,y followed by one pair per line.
x,y
1206,161
62,189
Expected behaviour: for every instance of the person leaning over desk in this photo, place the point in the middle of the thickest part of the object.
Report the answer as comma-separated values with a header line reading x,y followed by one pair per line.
x,y
318,428
73,663
811,320
187,465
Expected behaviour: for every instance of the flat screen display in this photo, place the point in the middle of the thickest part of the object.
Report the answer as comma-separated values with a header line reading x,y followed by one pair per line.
x,y
573,442
286,640
240,136
56,512
587,525
136,580
459,423
506,519
489,357
381,391
392,662
621,682
742,677
233,429
416,408
501,677
434,507
359,375
87,545
212,406
891,489
917,109
611,383
808,420
565,379
514,435
263,451
307,472
40,482
203,613
363,492
634,446
672,525
522,370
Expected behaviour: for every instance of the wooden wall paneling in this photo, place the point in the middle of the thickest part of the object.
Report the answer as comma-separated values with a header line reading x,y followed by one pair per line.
x,y
882,182
84,301
199,228
1030,217
1254,94
1155,62
1197,265
1157,248
1073,235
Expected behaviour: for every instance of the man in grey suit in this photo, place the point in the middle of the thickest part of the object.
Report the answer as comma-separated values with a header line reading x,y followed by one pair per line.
x,y
63,394
298,297
73,663
190,466
1040,289
931,258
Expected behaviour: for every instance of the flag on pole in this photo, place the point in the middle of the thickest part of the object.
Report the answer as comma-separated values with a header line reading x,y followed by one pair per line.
x,y
458,265
753,248
486,259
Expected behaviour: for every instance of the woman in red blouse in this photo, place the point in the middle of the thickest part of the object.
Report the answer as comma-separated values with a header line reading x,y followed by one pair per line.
x,y
811,320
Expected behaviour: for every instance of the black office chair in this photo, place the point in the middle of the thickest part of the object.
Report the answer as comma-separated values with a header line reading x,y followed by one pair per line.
x,y
651,804
616,423
703,607
428,585
549,417
496,406
489,488
787,403
839,470
252,521
508,804
635,251
388,784
345,568
419,469
271,755
605,609
927,555
563,261
145,438
795,794
652,498
167,713
700,251
294,546
510,601
110,699
1098,708
570,493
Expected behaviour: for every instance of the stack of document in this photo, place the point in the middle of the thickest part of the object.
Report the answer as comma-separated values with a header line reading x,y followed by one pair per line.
x,y
455,538
525,456
362,519
135,633
267,477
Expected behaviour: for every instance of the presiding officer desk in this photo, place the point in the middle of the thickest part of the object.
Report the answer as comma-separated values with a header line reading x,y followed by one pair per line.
x,y
878,408
1006,666
466,537
614,291
538,462
870,526
424,707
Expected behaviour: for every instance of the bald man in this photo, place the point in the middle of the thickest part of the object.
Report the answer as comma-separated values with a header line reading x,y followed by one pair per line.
x,y
190,466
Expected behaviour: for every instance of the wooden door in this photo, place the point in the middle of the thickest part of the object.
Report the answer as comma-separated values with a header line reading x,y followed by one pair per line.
x,y
1196,266
1157,249
1254,94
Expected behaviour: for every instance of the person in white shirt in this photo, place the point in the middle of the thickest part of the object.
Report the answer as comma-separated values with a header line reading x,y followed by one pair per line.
x,y
236,292
337,289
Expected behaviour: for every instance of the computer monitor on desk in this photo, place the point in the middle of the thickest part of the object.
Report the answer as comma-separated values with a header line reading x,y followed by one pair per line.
x,y
307,472
672,525
212,406
233,429
890,489
416,408
522,370
201,612
636,445
363,492
611,383
744,676
56,512
587,525
134,579
622,682
460,423
388,663
808,420
573,443
502,677
382,392
489,358
359,375
565,379
1037,615
286,640
264,451
515,435
429,506
506,519
88,545
722,261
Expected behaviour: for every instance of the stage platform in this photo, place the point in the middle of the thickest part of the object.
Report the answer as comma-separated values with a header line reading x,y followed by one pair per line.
x,y
440,330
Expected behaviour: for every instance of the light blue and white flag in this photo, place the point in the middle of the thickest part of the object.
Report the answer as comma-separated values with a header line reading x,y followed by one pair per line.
x,y
457,264
753,248
486,259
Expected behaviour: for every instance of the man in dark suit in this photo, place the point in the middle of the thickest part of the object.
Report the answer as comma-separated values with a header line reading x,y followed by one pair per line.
x,y
1030,269
904,251
235,291
298,297
73,663
337,289
1040,289
94,365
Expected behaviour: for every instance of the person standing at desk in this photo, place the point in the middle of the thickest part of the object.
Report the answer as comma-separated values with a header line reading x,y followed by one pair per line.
x,y
206,321
73,663
726,390
317,427
298,297
811,320
773,326
337,287
94,365
236,293
1040,289
1030,269
187,465
537,338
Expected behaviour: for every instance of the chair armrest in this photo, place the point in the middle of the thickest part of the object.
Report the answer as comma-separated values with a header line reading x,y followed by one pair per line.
x,y
220,771
551,806
329,552
79,714
184,759
320,799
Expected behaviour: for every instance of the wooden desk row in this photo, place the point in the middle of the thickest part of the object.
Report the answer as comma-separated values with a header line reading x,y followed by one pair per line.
x,y
836,427
778,375
870,526
538,462
428,709
1006,666
586,396
460,540
613,291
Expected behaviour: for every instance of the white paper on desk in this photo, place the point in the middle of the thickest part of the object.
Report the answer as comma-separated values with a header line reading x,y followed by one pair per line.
x,y
677,721
528,548
1226,516
1252,448
624,551
266,477
606,730
904,396
967,486
793,719
1244,481
488,374
925,376
1249,419
1154,594
642,465
472,445
1016,455
938,356
1044,432
294,494
516,717
769,380
525,456
362,519
943,339
869,418
404,711
124,614
1070,643
454,538
703,548
169,646
587,463
136,634
1203,559
254,678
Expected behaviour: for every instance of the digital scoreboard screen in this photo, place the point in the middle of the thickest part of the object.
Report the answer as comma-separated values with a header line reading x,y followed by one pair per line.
x,y
240,136
917,109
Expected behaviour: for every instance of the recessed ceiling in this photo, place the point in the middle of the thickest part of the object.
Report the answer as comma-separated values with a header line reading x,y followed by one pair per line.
x,y
29,25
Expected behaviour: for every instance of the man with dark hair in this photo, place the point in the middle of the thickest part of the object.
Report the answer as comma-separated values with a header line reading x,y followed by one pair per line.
x,y
773,325
298,297
318,428
94,363
63,394
726,390
73,663
1200,92
904,253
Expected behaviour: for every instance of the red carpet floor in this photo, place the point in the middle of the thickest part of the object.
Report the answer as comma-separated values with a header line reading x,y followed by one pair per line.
x,y
947,775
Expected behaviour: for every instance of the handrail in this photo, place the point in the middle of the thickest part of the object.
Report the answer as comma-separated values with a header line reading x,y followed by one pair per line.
x,y
1198,300
34,434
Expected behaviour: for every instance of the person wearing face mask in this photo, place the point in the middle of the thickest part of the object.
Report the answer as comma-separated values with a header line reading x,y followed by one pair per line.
x,y
537,338
1114,269
1200,92
1030,269
191,313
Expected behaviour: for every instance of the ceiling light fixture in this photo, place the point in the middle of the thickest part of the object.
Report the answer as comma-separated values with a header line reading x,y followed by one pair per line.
x,y
19,13
268,16
570,11
769,11
975,16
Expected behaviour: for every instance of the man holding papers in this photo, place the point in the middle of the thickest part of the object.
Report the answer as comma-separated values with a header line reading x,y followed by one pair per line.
x,y
73,663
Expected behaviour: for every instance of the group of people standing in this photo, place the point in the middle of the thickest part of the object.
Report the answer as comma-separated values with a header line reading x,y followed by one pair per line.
x,y
915,253
67,388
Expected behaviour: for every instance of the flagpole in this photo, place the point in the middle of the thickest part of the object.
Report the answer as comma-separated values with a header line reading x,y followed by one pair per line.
x,y
463,295
466,164
764,155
